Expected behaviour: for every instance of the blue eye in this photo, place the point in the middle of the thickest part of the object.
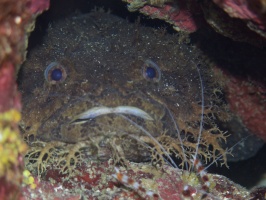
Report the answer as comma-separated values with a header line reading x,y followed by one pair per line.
x,y
151,71
55,73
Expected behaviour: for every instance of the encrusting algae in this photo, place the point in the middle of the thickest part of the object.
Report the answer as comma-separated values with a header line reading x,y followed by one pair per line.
x,y
11,145
12,150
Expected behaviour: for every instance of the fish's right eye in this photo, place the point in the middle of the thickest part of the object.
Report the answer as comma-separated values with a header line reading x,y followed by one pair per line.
x,y
55,73
151,71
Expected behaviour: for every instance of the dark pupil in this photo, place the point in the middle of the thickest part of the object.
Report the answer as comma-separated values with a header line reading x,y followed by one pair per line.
x,y
150,72
56,74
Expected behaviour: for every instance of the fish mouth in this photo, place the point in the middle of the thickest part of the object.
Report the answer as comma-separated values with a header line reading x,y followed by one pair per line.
x,y
98,111
73,123
91,116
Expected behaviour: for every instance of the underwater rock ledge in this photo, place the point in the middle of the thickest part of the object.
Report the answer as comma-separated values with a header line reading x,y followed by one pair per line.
x,y
95,181
17,20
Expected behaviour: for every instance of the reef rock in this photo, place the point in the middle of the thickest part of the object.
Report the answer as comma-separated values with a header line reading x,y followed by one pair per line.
x,y
16,21
241,21
96,181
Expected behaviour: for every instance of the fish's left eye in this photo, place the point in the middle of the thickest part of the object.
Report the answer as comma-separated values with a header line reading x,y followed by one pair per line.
x,y
55,73
151,71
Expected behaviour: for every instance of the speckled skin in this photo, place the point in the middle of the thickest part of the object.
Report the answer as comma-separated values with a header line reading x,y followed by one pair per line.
x,y
103,56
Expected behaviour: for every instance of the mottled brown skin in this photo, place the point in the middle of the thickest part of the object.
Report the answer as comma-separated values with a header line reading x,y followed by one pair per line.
x,y
103,56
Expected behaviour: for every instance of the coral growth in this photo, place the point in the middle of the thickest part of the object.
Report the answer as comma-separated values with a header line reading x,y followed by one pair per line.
x,y
184,15
233,28
96,181
16,21
247,99
12,149
10,98
242,20
251,12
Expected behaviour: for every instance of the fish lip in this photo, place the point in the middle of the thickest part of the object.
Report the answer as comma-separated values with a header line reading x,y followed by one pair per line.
x,y
103,110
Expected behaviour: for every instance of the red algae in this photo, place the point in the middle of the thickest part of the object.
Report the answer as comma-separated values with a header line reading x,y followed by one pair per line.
x,y
167,183
247,99
16,22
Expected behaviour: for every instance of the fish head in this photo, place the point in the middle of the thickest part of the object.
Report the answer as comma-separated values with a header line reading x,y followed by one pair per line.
x,y
83,68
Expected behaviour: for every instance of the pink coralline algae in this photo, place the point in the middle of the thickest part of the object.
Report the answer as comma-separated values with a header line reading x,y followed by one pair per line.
x,y
184,15
241,20
10,98
247,100
16,22
251,12
37,6
96,181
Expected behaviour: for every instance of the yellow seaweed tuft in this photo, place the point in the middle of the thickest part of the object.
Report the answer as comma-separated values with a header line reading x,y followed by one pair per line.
x,y
28,179
12,115
11,146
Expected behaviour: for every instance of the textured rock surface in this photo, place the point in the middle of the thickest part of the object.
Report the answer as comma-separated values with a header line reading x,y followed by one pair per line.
x,y
183,15
247,100
240,20
16,21
95,181
253,13
227,26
